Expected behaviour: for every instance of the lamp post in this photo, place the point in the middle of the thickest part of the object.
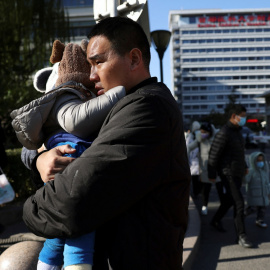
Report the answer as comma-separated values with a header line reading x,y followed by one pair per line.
x,y
160,40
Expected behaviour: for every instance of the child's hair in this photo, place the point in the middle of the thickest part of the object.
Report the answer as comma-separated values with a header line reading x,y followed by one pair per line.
x,y
260,155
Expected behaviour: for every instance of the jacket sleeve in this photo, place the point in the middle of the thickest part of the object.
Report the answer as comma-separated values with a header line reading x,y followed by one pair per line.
x,y
118,170
215,153
75,115
192,146
248,177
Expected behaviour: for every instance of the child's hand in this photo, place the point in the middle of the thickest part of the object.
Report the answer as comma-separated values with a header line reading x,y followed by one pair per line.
x,y
51,162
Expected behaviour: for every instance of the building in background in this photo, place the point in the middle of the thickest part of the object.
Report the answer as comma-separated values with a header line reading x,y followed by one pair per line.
x,y
217,53
81,18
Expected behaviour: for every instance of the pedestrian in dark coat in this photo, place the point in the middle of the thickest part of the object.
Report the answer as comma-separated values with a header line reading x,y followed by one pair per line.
x,y
132,184
227,159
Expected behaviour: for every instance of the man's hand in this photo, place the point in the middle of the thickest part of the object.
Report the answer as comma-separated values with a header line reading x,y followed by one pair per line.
x,y
212,180
51,162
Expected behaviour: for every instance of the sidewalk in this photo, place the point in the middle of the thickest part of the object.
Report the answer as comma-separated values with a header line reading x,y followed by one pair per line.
x,y
16,231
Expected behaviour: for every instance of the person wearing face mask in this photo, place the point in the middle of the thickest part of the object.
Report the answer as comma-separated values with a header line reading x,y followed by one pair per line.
x,y
193,158
227,159
257,187
203,140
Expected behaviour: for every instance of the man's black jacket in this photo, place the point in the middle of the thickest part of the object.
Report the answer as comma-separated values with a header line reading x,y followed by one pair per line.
x,y
227,153
131,186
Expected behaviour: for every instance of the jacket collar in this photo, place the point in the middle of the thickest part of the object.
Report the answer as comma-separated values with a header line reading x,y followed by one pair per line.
x,y
232,126
143,83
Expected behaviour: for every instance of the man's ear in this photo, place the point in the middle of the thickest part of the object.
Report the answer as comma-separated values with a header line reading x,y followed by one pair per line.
x,y
135,58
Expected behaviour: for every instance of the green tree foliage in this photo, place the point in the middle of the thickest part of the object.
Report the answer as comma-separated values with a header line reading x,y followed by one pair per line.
x,y
28,29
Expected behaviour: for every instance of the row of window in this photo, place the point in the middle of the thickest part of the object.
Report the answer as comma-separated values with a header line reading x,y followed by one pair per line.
x,y
224,59
224,87
203,69
224,50
218,106
220,40
77,3
222,31
218,97
225,78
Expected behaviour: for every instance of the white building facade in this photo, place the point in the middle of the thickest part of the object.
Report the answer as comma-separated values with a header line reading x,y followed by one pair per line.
x,y
217,53
81,18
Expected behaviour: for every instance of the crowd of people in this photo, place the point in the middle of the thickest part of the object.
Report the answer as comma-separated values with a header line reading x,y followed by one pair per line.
x,y
219,158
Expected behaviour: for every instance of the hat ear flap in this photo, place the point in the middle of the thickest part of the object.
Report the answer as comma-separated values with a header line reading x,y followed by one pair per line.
x,y
57,51
41,78
84,44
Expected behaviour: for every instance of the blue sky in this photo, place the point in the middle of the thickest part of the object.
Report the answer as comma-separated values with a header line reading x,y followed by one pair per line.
x,y
159,20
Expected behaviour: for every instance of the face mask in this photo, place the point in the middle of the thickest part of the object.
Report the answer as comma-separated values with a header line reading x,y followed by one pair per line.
x,y
260,164
242,121
204,135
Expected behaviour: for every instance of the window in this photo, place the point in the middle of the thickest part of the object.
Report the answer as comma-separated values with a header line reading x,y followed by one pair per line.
x,y
192,19
77,3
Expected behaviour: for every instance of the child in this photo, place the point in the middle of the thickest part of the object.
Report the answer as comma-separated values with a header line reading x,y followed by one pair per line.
x,y
257,187
66,115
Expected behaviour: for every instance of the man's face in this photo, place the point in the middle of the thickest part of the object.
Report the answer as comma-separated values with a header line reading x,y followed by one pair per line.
x,y
108,69
235,119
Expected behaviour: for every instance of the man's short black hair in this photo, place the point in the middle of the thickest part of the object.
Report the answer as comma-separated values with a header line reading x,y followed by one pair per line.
x,y
237,109
124,35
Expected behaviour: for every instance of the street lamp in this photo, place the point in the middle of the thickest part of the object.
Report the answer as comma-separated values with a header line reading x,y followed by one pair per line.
x,y
160,40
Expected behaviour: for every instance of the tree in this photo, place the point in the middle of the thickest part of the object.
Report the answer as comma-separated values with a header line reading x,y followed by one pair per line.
x,y
28,29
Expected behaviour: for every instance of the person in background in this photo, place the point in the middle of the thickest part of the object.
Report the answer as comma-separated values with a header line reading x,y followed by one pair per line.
x,y
257,187
193,157
227,159
203,141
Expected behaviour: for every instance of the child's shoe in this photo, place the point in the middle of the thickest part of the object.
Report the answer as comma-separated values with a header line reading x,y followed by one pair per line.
x,y
261,223
204,211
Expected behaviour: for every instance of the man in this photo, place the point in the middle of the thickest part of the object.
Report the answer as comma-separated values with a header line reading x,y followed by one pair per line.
x,y
132,184
227,159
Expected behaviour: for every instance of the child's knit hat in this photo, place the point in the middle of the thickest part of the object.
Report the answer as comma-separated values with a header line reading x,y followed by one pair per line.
x,y
70,64
73,63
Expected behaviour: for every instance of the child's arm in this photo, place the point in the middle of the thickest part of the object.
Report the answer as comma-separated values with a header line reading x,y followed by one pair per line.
x,y
85,118
248,177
